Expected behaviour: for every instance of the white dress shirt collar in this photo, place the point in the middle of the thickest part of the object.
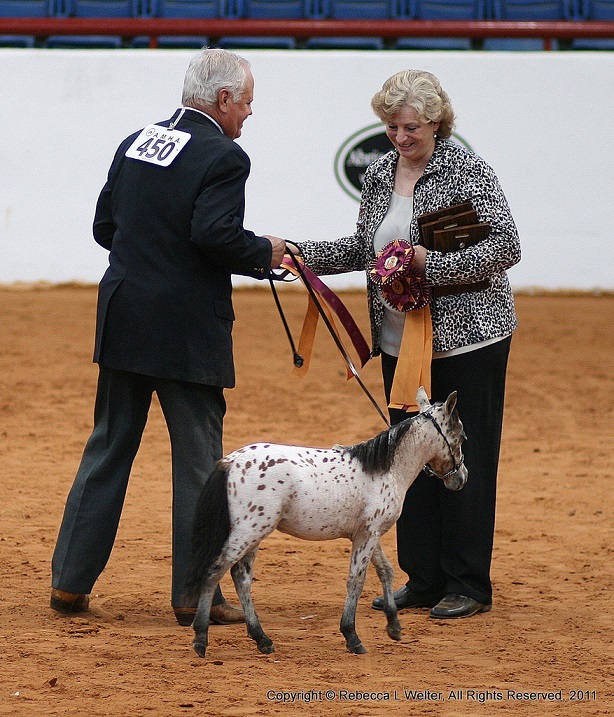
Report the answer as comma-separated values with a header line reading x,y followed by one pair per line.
x,y
208,116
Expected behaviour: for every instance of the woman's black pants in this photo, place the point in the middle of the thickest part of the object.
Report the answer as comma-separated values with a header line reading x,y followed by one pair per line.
x,y
445,538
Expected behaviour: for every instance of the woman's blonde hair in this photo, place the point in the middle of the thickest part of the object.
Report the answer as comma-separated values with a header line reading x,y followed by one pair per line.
x,y
419,90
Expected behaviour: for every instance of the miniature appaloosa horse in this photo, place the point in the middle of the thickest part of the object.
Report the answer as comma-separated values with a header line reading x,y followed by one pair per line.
x,y
353,492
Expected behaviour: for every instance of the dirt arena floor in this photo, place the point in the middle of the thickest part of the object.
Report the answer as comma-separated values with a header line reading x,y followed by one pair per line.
x,y
546,647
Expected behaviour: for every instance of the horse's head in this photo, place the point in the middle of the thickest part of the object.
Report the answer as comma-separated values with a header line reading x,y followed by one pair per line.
x,y
447,461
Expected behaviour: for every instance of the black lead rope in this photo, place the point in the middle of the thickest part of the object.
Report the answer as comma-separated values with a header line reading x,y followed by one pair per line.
x,y
297,358
330,328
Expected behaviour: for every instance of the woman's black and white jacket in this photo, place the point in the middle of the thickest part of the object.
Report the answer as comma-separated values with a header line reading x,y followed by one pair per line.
x,y
453,175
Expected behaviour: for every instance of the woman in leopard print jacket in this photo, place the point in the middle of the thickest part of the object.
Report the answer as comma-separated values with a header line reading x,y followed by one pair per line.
x,y
454,174
444,538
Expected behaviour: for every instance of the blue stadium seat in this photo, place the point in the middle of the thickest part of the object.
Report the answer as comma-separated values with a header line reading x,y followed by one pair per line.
x,y
441,10
181,9
27,8
92,9
345,43
593,10
17,41
172,42
24,8
86,42
359,9
99,8
272,9
530,9
352,10
185,8
524,10
251,42
266,10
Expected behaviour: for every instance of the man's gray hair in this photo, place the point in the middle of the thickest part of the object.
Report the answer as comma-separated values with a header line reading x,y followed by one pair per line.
x,y
211,71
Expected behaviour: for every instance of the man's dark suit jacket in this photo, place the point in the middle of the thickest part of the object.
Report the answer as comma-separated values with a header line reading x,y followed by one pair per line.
x,y
175,236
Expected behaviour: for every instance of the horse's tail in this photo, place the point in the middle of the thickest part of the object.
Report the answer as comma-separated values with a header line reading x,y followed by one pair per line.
x,y
210,530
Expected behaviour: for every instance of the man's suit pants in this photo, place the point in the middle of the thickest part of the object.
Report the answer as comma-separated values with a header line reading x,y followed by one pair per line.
x,y
194,415
445,538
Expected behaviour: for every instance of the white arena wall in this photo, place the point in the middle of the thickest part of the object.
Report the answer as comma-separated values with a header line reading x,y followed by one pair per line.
x,y
544,121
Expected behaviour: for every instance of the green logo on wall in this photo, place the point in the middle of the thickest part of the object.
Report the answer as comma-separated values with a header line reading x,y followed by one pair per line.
x,y
357,153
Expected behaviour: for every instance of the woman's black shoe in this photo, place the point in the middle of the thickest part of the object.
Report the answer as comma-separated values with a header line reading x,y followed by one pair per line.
x,y
454,605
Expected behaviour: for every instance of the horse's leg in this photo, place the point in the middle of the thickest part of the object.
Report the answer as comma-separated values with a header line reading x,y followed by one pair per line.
x,y
201,619
362,550
385,573
242,573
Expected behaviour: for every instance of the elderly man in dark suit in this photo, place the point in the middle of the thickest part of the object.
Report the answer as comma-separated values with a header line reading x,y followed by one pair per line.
x,y
171,216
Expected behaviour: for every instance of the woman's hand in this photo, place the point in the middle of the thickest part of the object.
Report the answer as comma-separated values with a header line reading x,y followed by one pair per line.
x,y
419,261
291,246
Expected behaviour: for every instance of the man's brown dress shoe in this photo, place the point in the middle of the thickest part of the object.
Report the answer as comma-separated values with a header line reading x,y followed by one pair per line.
x,y
404,598
67,603
226,614
222,614
454,605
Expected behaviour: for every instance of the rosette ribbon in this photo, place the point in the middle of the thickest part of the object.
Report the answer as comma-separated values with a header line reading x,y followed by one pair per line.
x,y
402,286
406,289
392,262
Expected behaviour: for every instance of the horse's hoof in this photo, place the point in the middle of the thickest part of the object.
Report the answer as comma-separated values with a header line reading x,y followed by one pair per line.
x,y
357,649
200,649
394,631
266,648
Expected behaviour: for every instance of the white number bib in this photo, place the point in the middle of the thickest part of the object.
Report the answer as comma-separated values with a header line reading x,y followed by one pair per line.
x,y
158,145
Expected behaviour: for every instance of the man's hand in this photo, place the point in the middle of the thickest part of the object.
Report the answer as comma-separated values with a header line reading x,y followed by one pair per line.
x,y
279,249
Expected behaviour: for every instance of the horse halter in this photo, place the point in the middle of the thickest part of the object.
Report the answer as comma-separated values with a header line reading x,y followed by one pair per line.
x,y
456,466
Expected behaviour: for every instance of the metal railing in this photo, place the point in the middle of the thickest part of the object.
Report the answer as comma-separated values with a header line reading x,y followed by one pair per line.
x,y
302,29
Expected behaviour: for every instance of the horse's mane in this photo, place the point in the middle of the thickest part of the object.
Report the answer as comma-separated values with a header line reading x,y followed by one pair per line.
x,y
376,454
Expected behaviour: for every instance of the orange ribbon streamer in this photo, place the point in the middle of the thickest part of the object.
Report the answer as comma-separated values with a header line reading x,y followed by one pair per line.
x,y
330,303
414,365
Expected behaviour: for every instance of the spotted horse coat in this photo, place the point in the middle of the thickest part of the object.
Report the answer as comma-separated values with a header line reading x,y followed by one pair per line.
x,y
353,492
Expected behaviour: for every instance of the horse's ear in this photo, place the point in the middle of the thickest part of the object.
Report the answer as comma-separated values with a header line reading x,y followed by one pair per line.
x,y
422,399
451,402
